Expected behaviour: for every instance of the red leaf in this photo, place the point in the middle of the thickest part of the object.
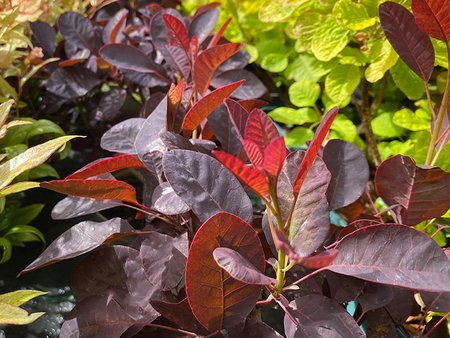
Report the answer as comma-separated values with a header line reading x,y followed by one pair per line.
x,y
178,35
107,165
208,61
274,156
238,116
433,17
205,106
250,104
260,129
411,43
98,189
219,34
217,300
174,98
314,148
255,154
248,175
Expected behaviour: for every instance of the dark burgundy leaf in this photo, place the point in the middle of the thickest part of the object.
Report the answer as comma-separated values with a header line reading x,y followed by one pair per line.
x,y
432,16
349,173
343,289
164,258
319,316
78,30
228,301
314,148
205,185
203,24
120,138
260,129
98,189
207,62
247,174
73,206
411,43
206,105
396,255
401,306
251,104
96,316
117,272
380,325
44,36
238,115
422,193
240,268
79,239
146,79
177,33
107,165
375,296
237,61
113,31
167,202
179,313
256,329
438,302
110,104
251,89
72,82
174,141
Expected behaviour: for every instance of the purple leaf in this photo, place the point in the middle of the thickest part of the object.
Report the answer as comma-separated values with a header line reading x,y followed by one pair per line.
x,y
349,173
251,89
395,255
257,329
78,30
72,82
401,306
319,316
343,289
205,185
203,24
73,206
79,239
421,192
238,116
110,103
409,41
240,268
174,141
164,259
120,138
375,296
113,31
44,36
167,202
437,302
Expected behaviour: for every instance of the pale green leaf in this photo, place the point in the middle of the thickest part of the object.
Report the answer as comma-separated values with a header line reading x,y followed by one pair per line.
x,y
302,30
344,129
29,159
4,111
13,315
274,62
19,297
298,137
270,11
383,57
352,56
407,81
352,15
295,116
405,118
383,126
304,93
18,187
440,53
307,67
329,40
342,82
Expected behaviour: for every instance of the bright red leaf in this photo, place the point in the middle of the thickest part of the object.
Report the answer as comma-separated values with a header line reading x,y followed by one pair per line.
x,y
219,34
255,154
178,35
433,17
174,98
260,129
274,156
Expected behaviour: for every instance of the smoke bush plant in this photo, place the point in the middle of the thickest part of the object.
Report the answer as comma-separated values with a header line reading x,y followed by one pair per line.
x,y
199,266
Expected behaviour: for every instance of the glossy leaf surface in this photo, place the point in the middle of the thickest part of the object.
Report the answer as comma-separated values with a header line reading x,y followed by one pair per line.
x,y
433,17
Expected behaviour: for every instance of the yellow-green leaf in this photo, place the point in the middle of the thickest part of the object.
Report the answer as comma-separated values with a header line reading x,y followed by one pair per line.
x,y
274,62
352,15
19,297
342,82
405,118
18,187
29,159
329,40
304,93
5,107
407,81
295,116
13,315
383,57
270,11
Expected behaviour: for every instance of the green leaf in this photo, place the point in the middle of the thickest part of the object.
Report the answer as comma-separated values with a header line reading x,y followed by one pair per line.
x,y
440,53
270,11
298,137
383,57
307,67
6,247
14,150
44,170
302,30
383,126
295,116
352,56
407,81
18,187
42,127
274,62
11,313
329,40
352,15
24,233
29,159
6,89
344,129
405,118
24,215
430,229
304,93
342,82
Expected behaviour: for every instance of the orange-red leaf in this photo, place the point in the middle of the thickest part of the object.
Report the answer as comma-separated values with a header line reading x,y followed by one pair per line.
x,y
248,175
107,165
205,106
254,153
178,35
433,17
260,129
174,97
208,61
250,104
219,34
99,189
274,156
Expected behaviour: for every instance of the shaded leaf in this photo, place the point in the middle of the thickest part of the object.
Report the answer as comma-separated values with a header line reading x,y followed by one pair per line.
x,y
166,201
113,31
120,138
78,30
380,324
432,16
205,185
179,313
349,173
72,82
208,61
73,206
422,193
438,302
395,255
411,43
251,89
228,301
375,296
79,239
44,36
205,106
